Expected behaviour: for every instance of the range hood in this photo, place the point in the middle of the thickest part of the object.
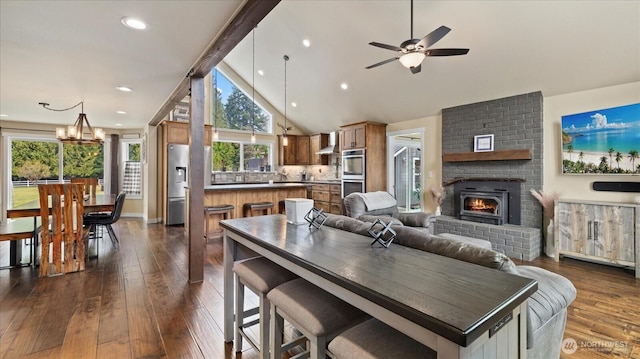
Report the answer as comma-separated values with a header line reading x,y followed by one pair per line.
x,y
332,148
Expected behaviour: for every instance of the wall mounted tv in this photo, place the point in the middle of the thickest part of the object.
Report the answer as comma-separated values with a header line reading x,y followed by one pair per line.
x,y
605,141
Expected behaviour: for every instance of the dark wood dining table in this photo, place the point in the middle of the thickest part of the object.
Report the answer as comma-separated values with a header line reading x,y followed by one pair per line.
x,y
99,203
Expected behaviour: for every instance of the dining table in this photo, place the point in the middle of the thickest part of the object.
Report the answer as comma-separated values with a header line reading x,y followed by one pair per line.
x,y
458,309
98,203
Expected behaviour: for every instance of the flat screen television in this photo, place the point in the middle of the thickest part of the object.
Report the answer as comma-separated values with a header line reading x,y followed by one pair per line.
x,y
605,141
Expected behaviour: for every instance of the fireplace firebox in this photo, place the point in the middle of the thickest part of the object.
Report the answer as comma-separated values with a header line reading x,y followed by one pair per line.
x,y
484,206
490,200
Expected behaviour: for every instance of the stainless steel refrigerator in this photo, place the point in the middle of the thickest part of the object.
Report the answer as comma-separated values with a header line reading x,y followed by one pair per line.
x,y
178,179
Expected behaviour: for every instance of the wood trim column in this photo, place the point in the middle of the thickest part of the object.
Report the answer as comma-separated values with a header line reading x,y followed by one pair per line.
x,y
115,161
196,181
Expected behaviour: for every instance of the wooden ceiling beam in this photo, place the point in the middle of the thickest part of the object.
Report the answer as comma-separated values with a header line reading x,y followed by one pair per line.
x,y
245,20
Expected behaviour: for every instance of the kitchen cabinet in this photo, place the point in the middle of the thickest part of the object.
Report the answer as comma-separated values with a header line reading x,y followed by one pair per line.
x,y
327,197
295,153
372,137
302,147
601,231
178,133
316,143
353,136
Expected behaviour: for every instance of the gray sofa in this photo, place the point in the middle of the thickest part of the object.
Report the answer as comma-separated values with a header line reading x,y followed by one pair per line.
x,y
547,307
382,204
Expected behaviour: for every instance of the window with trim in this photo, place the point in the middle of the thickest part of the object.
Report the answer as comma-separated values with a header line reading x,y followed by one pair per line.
x,y
233,109
37,160
131,178
241,156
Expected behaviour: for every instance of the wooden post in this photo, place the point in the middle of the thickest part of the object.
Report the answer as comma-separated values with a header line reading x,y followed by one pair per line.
x,y
196,181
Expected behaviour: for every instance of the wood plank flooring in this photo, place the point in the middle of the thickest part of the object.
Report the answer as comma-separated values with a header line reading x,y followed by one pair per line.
x,y
136,302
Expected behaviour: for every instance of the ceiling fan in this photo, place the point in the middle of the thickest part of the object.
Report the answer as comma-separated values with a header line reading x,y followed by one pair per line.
x,y
413,51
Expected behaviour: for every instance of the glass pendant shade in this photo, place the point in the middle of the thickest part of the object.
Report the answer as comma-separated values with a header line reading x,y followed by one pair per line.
x,y
411,59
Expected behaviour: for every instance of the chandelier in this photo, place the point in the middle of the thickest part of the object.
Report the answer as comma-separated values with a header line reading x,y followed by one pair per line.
x,y
75,134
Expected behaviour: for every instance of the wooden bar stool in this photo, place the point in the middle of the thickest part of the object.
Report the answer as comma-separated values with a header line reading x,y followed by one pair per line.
x,y
260,275
226,210
252,209
374,339
318,315
282,207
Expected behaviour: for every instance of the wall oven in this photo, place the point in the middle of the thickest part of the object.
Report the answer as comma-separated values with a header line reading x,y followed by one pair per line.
x,y
353,164
350,186
353,172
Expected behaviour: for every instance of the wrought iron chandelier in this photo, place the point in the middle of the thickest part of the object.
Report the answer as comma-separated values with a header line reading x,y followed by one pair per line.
x,y
75,134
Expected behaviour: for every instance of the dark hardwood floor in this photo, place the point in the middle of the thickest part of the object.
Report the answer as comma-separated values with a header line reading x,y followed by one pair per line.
x,y
136,302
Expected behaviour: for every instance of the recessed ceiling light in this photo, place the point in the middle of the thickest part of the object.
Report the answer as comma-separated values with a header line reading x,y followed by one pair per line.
x,y
121,112
294,104
3,115
119,124
124,88
344,86
133,23
260,72
306,43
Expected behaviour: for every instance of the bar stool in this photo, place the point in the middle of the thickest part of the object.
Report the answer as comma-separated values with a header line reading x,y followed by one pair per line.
x,y
373,339
260,275
318,315
282,207
251,209
226,210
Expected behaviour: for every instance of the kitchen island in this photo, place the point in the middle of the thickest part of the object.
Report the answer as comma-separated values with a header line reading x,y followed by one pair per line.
x,y
237,194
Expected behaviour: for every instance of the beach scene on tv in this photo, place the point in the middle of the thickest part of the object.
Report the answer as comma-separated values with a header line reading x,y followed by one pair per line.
x,y
602,141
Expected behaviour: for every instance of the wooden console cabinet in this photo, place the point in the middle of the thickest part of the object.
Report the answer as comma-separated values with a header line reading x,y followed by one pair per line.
x,y
600,231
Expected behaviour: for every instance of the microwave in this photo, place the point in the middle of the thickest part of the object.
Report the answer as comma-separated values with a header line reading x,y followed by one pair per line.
x,y
353,164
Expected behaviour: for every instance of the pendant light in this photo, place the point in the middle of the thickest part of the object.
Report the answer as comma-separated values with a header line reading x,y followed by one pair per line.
x,y
216,136
253,90
75,134
285,141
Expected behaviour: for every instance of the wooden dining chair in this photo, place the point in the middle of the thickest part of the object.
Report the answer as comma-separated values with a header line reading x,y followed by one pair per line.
x,y
90,184
61,209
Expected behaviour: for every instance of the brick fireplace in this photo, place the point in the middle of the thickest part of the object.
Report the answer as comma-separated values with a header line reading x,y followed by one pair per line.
x,y
516,123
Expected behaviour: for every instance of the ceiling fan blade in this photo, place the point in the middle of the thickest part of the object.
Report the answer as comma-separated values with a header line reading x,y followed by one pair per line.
x,y
433,37
446,52
416,69
385,46
382,62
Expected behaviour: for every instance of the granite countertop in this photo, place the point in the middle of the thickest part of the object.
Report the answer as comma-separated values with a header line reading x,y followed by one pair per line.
x,y
265,185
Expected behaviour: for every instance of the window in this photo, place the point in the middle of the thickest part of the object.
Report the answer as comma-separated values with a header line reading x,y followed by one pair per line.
x,y
239,156
131,177
37,160
233,109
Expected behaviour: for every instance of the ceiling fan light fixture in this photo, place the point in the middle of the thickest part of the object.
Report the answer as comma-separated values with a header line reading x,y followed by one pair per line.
x,y
411,59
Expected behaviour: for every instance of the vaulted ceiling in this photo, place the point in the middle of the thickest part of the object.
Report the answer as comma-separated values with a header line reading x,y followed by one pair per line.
x,y
65,51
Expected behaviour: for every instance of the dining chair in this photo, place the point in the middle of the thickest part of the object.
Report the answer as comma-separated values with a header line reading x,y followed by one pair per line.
x,y
90,184
61,208
93,220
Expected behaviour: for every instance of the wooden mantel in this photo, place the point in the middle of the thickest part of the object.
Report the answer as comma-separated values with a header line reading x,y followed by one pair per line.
x,y
503,155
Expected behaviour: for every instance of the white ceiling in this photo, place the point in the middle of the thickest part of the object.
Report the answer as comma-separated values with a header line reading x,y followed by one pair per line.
x,y
66,51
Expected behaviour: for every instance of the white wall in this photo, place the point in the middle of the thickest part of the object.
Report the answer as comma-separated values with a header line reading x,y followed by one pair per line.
x,y
579,186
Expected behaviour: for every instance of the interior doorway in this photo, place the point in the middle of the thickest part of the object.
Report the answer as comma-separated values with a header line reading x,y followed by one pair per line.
x,y
405,168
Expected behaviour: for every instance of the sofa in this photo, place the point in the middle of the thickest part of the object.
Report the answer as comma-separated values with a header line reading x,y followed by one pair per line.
x,y
371,205
547,307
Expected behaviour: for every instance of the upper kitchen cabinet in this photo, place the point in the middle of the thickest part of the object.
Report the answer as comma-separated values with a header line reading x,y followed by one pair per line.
x,y
353,136
178,133
295,153
316,143
362,135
